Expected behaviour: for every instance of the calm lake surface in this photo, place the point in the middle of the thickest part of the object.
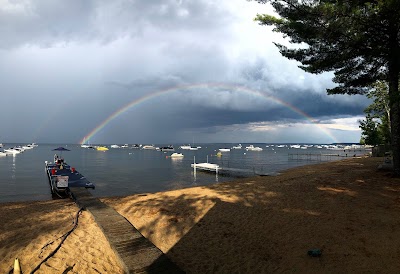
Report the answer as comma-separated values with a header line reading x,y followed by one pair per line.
x,y
119,172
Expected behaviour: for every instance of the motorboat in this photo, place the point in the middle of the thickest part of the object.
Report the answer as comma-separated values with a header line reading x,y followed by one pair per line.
x,y
101,148
224,149
13,150
167,148
239,146
253,148
62,177
189,147
149,147
30,146
2,153
115,146
176,155
125,146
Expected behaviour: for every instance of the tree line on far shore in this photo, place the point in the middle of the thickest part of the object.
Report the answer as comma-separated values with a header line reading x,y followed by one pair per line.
x,y
359,41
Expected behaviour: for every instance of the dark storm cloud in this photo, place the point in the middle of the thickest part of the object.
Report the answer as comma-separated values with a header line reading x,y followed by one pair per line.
x,y
95,57
50,22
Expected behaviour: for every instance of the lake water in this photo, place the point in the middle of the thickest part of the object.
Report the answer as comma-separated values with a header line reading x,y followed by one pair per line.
x,y
119,172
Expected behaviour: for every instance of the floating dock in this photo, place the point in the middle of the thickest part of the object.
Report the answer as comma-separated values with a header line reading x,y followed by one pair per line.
x,y
206,167
227,171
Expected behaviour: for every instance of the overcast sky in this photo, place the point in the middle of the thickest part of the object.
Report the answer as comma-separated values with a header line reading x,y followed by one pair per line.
x,y
201,71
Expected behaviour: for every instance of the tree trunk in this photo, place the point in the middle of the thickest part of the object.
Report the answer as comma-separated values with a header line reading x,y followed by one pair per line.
x,y
394,97
395,125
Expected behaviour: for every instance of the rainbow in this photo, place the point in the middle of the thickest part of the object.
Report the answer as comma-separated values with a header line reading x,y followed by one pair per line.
x,y
147,97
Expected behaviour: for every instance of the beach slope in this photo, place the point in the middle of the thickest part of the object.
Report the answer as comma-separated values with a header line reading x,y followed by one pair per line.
x,y
348,210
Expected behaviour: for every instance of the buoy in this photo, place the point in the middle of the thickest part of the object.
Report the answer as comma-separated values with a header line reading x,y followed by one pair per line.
x,y
17,267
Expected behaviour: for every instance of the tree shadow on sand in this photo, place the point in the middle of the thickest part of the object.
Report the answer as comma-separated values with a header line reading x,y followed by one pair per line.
x,y
263,224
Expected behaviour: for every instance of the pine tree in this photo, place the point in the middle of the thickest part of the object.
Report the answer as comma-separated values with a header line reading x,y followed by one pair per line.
x,y
358,40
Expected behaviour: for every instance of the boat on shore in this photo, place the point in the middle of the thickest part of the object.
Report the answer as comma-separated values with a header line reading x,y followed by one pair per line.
x,y
62,177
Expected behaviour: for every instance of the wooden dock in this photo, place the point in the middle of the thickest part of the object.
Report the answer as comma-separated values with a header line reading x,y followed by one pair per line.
x,y
136,253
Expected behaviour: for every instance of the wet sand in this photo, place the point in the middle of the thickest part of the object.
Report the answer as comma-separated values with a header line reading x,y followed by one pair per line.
x,y
348,209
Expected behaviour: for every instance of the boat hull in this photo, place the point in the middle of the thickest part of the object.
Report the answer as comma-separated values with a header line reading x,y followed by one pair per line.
x,y
62,177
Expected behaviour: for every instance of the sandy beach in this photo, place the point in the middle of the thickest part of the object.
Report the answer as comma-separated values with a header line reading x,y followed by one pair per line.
x,y
348,210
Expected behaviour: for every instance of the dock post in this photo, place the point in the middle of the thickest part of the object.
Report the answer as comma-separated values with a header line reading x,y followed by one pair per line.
x,y
194,165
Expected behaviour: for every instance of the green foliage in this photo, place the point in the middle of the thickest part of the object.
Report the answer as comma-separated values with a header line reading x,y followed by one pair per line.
x,y
350,38
359,41
380,110
370,131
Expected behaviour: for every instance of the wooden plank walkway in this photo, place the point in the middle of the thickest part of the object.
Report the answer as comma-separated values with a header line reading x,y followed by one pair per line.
x,y
136,253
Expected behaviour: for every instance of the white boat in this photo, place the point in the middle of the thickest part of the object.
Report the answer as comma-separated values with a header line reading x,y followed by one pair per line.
x,y
28,146
84,145
3,153
239,146
148,147
115,146
253,148
176,155
186,147
224,149
125,146
12,150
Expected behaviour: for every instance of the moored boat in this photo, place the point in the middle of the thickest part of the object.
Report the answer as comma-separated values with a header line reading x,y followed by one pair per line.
x,y
239,146
167,148
176,155
13,150
62,177
149,147
253,148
